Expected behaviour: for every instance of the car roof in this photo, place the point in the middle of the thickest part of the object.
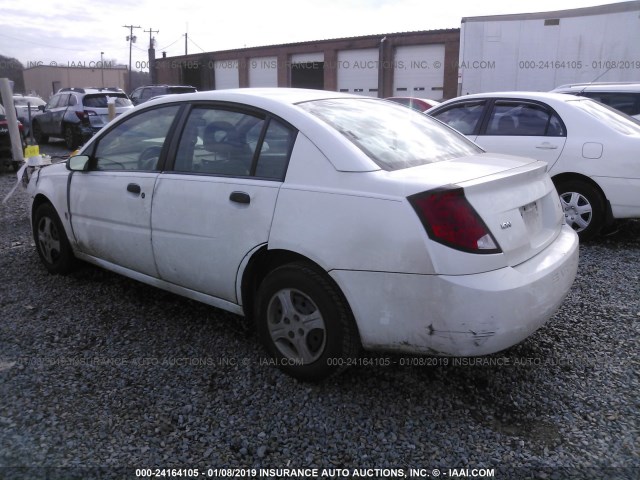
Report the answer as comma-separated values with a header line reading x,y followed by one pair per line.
x,y
541,96
267,98
600,87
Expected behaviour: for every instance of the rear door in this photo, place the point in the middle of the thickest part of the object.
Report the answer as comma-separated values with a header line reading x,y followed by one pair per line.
x,y
217,203
524,128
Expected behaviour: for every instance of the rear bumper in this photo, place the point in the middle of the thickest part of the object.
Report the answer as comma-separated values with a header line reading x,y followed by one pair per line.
x,y
463,315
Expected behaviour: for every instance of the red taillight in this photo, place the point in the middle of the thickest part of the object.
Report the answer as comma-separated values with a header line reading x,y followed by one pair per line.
x,y
84,115
450,219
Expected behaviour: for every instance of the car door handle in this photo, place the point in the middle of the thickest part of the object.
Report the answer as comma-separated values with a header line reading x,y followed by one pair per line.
x,y
546,146
133,188
240,197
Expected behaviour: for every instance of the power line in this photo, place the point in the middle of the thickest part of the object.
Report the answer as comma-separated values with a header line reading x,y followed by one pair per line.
x,y
191,40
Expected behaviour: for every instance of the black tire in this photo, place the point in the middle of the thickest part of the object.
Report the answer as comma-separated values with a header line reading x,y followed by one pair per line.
x,y
583,207
71,140
51,240
312,350
38,136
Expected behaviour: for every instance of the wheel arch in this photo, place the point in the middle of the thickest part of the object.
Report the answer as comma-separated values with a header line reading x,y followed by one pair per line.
x,y
569,176
264,261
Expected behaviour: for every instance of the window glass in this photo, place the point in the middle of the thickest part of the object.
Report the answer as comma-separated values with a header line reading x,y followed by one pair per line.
x,y
523,119
53,101
275,151
218,141
136,143
391,135
99,100
626,102
463,117
609,116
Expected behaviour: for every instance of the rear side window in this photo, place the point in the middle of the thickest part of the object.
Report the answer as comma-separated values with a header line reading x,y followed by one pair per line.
x,y
523,119
222,141
393,136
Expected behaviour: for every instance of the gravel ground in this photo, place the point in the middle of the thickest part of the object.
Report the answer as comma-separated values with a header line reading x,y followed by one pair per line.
x,y
102,375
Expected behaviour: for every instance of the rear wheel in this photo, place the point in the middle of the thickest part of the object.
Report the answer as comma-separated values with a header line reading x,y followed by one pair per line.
x,y
51,240
305,323
583,207
70,138
38,136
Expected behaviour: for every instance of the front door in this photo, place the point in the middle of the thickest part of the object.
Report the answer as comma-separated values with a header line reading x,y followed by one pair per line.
x,y
110,204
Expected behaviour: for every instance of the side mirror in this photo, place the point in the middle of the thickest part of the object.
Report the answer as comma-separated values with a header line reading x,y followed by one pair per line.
x,y
79,163
41,107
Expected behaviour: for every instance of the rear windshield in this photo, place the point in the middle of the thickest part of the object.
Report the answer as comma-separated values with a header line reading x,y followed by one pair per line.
x,y
615,119
99,100
181,89
392,135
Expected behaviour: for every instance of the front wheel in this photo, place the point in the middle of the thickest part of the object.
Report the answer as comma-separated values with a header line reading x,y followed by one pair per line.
x,y
305,323
38,136
583,207
51,240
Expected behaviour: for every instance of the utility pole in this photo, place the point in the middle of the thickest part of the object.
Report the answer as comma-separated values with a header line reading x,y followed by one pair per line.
x,y
131,39
152,56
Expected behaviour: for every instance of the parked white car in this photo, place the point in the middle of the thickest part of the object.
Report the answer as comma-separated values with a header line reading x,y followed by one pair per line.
x,y
334,221
591,149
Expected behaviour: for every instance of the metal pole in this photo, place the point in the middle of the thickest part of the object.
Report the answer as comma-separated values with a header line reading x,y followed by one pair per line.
x,y
102,68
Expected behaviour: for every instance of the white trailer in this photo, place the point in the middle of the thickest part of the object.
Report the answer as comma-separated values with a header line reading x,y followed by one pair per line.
x,y
540,51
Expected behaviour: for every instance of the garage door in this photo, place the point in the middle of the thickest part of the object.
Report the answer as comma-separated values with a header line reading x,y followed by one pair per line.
x,y
263,72
419,71
358,71
226,74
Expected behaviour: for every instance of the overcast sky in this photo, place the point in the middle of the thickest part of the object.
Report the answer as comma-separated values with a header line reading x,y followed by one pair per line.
x,y
65,31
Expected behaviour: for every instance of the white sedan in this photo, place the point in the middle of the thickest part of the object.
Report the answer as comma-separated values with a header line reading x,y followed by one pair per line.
x,y
334,221
591,149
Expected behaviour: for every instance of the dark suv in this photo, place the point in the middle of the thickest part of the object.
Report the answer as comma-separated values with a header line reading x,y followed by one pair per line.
x,y
75,114
142,94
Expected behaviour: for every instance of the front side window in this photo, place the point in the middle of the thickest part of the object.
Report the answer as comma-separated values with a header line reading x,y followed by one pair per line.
x,y
137,142
523,119
220,141
463,117
393,136
53,102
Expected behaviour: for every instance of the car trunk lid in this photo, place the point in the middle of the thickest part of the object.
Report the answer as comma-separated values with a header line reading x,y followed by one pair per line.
x,y
513,196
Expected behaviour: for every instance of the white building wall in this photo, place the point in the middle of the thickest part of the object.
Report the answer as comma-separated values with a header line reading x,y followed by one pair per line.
x,y
520,52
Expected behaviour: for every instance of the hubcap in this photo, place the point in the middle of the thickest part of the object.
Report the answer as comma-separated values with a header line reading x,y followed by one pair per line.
x,y
48,240
296,326
577,210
